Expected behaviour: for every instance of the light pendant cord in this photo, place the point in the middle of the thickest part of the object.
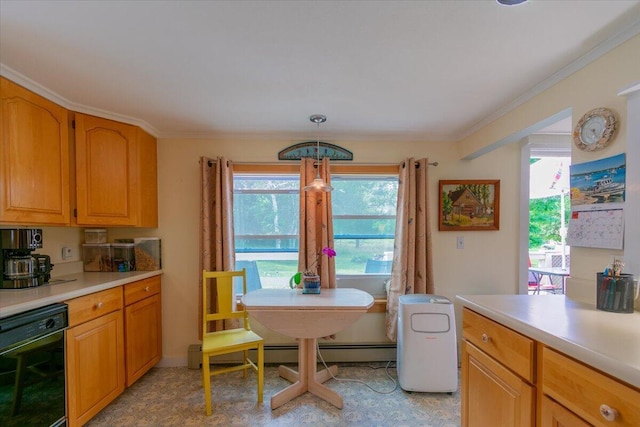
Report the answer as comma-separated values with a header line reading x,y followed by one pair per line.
x,y
318,150
318,183
386,371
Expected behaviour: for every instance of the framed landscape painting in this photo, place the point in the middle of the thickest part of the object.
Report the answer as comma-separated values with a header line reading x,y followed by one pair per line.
x,y
472,204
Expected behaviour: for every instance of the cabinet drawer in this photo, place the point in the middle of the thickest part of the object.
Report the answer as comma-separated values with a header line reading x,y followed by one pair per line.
x,y
583,390
513,350
94,305
141,289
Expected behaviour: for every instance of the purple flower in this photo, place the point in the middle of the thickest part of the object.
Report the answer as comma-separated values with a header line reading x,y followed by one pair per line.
x,y
329,252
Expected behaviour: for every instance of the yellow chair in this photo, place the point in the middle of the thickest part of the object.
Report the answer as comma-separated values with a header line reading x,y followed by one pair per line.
x,y
229,340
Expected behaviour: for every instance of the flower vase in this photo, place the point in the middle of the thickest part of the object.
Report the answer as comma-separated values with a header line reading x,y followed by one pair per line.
x,y
311,284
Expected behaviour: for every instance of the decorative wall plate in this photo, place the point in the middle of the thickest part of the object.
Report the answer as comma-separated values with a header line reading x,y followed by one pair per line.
x,y
310,148
595,130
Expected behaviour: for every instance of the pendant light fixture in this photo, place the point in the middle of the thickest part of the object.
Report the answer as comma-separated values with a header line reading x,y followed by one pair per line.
x,y
318,183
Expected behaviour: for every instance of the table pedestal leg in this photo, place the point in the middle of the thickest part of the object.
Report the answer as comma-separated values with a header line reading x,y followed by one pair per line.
x,y
306,379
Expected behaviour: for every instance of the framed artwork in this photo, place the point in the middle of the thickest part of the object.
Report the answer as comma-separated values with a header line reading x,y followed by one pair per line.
x,y
471,204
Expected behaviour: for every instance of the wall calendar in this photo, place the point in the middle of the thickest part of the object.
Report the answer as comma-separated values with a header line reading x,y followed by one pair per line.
x,y
597,229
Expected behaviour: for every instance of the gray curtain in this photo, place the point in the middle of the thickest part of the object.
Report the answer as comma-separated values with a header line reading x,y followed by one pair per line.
x,y
412,267
217,249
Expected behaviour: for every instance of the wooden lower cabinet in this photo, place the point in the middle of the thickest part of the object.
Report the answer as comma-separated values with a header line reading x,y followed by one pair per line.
x,y
498,381
114,338
491,394
95,366
143,327
501,388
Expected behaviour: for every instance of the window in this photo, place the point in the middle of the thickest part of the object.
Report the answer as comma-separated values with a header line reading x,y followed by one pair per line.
x,y
266,221
364,221
266,217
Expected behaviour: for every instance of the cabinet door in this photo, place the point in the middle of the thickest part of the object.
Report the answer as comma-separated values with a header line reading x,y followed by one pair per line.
x,y
555,415
107,180
491,394
95,366
143,332
34,160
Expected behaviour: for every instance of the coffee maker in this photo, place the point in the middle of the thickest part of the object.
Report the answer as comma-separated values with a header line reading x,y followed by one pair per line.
x,y
19,267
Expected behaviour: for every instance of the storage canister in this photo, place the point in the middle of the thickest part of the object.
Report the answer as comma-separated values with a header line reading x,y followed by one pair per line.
x,y
123,255
96,257
95,235
147,250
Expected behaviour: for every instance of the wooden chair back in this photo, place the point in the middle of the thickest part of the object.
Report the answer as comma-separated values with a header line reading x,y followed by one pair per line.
x,y
219,298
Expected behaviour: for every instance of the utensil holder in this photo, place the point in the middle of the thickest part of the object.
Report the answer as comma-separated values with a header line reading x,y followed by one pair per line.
x,y
616,293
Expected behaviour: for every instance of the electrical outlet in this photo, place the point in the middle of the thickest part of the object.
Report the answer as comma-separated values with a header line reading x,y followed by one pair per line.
x,y
66,252
459,242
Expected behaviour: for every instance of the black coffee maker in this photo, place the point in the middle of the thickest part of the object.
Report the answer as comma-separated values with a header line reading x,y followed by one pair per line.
x,y
19,267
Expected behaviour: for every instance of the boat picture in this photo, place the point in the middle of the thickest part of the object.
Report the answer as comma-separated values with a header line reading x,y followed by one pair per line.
x,y
600,181
606,187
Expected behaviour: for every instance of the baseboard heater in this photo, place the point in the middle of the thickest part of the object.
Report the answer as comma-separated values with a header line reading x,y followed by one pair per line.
x,y
288,353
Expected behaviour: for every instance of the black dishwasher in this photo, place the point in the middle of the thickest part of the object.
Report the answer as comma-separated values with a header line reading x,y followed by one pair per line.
x,y
32,377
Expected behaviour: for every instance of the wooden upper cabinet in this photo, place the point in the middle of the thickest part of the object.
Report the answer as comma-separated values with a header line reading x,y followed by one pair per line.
x,y
116,174
34,161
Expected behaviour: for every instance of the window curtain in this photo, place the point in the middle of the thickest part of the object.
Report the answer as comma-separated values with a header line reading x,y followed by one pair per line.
x,y
316,223
412,267
217,249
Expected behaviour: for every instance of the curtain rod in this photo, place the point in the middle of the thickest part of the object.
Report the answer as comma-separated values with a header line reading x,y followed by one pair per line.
x,y
434,164
355,164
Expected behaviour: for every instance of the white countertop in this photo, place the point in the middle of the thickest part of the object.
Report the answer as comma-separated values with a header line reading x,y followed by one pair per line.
x,y
14,301
609,342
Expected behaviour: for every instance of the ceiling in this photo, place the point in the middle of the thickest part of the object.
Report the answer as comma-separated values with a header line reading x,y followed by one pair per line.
x,y
392,70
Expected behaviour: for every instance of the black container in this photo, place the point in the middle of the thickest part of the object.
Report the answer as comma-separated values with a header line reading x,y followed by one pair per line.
x,y
615,294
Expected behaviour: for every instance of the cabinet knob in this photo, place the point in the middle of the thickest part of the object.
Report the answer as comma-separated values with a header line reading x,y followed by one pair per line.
x,y
608,413
99,305
146,289
486,338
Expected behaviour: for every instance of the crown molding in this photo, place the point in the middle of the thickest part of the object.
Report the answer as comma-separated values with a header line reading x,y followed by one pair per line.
x,y
52,96
635,87
606,46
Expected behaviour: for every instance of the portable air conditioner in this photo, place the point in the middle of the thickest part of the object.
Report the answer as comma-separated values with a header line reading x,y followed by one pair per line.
x,y
427,355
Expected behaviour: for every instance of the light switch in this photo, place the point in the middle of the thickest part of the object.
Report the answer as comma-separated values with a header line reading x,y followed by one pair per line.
x,y
66,252
459,242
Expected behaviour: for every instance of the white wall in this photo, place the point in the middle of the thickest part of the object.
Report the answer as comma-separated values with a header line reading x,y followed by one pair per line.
x,y
488,264
471,270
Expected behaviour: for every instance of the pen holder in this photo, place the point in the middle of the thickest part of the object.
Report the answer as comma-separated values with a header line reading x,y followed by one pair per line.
x,y
616,293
